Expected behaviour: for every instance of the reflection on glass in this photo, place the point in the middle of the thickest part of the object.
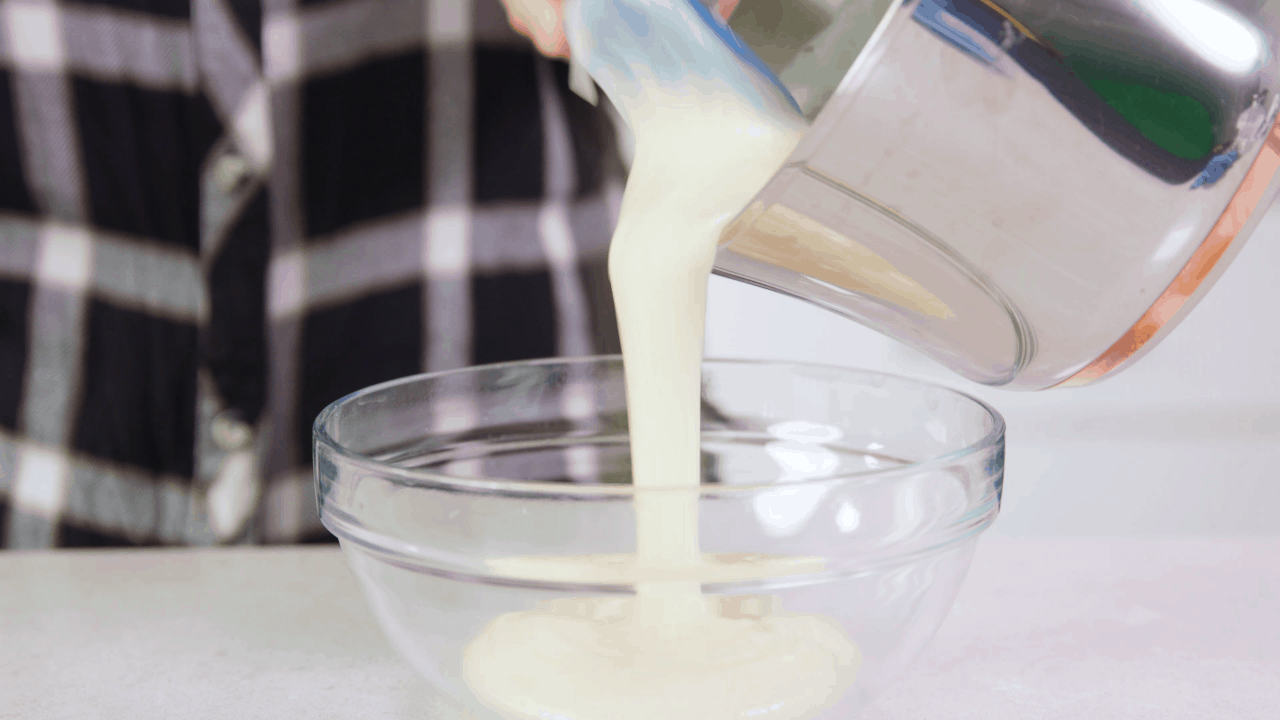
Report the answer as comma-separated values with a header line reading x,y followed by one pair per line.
x,y
1211,31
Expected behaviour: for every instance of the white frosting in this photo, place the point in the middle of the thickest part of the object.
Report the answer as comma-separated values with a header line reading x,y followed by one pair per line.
x,y
599,659
669,652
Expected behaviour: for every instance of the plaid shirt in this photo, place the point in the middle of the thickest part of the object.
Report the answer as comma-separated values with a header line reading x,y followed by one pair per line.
x,y
217,216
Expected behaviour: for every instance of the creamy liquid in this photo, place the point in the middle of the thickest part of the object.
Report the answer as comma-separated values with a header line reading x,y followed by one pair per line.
x,y
670,652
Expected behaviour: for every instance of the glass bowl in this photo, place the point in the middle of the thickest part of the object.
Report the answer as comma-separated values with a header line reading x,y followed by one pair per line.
x,y
489,517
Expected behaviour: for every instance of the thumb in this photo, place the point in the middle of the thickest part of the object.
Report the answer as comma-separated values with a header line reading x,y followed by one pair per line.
x,y
542,21
725,8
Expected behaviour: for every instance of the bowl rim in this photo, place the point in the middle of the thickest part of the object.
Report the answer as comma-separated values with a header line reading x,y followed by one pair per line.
x,y
415,477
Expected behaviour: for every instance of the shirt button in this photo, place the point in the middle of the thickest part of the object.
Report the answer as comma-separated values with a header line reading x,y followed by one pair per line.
x,y
229,432
229,171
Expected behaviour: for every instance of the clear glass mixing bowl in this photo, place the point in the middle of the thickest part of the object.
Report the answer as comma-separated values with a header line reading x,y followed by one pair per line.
x,y
881,483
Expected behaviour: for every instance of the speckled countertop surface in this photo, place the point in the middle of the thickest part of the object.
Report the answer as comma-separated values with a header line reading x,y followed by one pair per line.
x,y
1043,630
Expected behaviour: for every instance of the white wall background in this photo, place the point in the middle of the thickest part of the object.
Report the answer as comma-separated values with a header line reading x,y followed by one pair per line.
x,y
1187,441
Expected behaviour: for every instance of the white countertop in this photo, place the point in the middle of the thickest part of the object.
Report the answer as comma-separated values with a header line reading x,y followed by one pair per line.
x,y
1070,629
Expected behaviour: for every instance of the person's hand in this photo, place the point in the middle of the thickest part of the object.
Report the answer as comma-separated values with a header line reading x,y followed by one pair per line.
x,y
542,21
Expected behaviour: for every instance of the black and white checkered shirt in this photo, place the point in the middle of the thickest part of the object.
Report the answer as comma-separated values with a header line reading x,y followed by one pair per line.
x,y
217,216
